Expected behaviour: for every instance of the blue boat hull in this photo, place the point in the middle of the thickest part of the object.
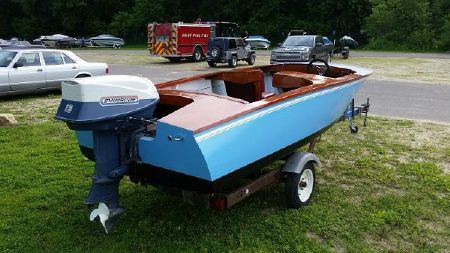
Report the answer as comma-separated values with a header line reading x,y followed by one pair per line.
x,y
256,138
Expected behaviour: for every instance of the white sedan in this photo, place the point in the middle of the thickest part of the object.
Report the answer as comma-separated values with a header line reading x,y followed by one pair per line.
x,y
31,70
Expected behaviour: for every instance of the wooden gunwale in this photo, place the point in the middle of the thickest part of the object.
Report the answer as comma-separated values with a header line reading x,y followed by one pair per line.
x,y
245,107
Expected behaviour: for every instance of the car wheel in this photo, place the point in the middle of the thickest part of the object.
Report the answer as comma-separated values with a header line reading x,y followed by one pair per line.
x,y
83,75
198,54
251,60
233,61
212,64
299,187
174,59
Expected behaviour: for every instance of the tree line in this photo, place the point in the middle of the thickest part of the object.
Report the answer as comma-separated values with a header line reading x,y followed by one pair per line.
x,y
379,24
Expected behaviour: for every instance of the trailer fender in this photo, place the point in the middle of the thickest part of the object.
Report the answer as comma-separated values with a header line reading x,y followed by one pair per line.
x,y
297,161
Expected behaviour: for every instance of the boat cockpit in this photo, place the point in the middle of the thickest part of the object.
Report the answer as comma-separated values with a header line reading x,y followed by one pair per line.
x,y
229,93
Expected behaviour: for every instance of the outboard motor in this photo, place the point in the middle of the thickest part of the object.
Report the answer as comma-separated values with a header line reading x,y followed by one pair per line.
x,y
116,109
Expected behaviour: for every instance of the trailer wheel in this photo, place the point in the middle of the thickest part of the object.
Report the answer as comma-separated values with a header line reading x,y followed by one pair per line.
x,y
299,187
232,62
345,52
198,54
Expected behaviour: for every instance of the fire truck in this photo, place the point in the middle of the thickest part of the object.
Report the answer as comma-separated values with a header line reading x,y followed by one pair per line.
x,y
176,41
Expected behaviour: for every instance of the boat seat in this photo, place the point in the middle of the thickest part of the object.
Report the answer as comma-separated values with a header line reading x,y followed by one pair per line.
x,y
245,84
289,80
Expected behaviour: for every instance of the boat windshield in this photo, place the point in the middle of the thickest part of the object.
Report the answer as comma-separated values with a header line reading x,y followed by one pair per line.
x,y
299,41
6,57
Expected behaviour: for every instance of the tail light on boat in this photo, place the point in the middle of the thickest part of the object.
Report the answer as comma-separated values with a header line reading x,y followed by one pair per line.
x,y
218,203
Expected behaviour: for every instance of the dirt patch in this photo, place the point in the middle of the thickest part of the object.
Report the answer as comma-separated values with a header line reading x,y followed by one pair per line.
x,y
31,109
315,237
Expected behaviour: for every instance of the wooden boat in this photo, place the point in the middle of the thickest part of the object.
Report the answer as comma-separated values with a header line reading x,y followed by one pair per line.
x,y
212,129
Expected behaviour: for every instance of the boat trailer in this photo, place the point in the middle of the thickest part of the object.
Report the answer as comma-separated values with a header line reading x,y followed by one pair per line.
x,y
115,134
294,163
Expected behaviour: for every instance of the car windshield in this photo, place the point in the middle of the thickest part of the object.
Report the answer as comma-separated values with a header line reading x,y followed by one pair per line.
x,y
6,57
298,41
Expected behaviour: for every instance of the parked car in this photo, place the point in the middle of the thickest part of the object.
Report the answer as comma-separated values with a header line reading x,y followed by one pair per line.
x,y
328,42
301,48
31,70
14,43
229,50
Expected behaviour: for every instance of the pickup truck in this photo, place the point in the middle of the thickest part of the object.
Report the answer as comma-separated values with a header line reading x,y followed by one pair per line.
x,y
301,48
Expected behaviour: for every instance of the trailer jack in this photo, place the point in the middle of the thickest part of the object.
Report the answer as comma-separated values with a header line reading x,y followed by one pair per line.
x,y
353,110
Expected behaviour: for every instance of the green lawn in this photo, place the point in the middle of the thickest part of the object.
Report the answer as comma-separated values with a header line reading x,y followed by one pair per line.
x,y
384,189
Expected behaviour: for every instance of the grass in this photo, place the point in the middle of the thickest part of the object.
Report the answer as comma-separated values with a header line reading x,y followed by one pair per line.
x,y
418,70
384,189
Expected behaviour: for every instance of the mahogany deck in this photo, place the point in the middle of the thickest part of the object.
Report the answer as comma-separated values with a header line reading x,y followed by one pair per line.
x,y
201,111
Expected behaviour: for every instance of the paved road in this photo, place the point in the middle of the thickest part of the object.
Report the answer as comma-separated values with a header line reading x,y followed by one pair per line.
x,y
393,99
158,73
399,55
407,100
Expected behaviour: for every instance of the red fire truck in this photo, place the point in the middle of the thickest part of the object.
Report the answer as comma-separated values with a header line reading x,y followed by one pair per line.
x,y
176,41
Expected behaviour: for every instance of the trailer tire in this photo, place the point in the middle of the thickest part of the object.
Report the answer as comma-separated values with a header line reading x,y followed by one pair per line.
x,y
345,52
299,187
197,55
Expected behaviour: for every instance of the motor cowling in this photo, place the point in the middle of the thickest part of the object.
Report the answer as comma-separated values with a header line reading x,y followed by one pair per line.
x,y
115,108
104,102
